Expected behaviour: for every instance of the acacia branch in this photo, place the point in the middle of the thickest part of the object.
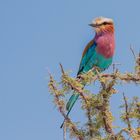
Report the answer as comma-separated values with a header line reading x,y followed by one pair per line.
x,y
106,94
81,92
98,104
127,77
67,119
127,113
90,122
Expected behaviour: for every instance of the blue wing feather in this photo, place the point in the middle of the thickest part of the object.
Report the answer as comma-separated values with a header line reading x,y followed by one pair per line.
x,y
92,58
90,51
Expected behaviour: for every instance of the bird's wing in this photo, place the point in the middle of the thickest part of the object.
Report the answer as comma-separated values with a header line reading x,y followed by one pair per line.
x,y
88,52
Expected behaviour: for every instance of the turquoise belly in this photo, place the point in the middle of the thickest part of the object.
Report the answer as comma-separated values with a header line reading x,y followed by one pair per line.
x,y
97,60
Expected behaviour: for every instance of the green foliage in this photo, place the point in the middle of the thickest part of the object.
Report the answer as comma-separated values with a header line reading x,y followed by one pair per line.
x,y
97,106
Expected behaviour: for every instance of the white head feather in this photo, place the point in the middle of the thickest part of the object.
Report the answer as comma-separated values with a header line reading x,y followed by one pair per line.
x,y
101,20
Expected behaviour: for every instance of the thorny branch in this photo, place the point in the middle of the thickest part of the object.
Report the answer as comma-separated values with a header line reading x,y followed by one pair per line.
x,y
67,119
127,113
102,106
77,89
105,110
81,91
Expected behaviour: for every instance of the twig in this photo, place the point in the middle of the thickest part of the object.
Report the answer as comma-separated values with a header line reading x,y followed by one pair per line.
x,y
127,113
62,70
90,122
123,77
132,50
131,133
114,66
121,131
118,76
105,92
77,89
64,132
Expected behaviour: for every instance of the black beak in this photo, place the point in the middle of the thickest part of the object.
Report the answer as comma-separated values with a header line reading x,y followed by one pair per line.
x,y
92,25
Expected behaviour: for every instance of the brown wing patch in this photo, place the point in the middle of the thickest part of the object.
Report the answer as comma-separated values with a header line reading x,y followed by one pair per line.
x,y
87,47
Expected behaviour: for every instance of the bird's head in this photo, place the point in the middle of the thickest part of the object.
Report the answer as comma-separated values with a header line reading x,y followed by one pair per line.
x,y
102,24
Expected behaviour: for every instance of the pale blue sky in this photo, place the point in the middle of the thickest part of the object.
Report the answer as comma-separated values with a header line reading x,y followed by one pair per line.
x,y
38,34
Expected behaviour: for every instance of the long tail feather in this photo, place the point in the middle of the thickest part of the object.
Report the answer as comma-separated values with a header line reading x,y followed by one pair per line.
x,y
70,104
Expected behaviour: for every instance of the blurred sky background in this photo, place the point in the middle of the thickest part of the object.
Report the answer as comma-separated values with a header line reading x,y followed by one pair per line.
x,y
35,35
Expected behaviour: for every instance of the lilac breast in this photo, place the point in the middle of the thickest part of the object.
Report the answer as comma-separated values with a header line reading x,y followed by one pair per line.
x,y
105,44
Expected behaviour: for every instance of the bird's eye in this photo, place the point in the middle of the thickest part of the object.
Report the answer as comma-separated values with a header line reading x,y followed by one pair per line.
x,y
105,23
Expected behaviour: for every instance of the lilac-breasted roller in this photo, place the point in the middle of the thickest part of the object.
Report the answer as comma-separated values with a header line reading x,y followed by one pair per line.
x,y
98,52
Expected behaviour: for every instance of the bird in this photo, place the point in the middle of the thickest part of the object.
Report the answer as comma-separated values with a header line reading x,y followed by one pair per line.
x,y
98,52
